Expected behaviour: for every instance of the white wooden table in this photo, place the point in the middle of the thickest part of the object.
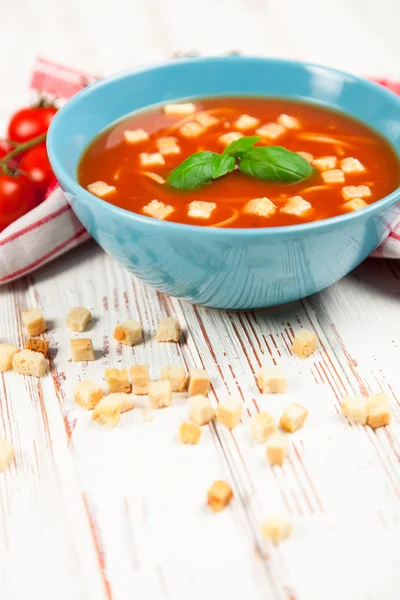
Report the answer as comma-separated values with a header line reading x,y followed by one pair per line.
x,y
93,514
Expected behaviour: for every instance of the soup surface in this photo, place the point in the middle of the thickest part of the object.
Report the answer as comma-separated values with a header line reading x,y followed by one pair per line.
x,y
129,164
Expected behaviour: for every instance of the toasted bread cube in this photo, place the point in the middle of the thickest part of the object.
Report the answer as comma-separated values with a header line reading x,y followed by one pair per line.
x,y
356,191
191,129
154,176
305,343
167,145
117,380
219,495
378,411
355,204
306,155
205,119
263,207
334,176
229,412
158,210
189,433
200,410
177,376
296,206
37,345
7,352
351,165
272,380
78,318
168,330
277,448
140,379
184,109
325,163
160,393
28,362
245,122
293,417
199,382
276,528
201,210
128,333
33,321
7,454
355,408
134,136
109,409
88,394
151,159
82,350
262,426
101,189
271,131
288,122
228,138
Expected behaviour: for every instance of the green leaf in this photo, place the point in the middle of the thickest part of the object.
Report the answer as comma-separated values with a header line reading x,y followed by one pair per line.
x,y
193,172
222,165
242,145
274,163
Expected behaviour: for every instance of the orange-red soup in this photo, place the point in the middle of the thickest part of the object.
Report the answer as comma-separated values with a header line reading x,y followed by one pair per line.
x,y
359,167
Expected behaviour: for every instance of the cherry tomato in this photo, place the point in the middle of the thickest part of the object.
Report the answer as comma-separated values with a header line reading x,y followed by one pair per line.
x,y
36,167
30,122
4,148
16,198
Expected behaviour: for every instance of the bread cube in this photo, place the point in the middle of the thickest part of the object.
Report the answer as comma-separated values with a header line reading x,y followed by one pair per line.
x,y
306,155
276,528
129,332
139,375
181,110
101,189
168,330
7,352
356,191
154,176
272,380
158,210
288,122
28,362
7,454
378,411
191,129
245,122
355,408
199,382
167,145
229,412
277,448
351,165
355,204
205,119
201,210
160,393
151,159
78,318
200,410
33,321
189,433
37,345
88,394
305,343
263,207
134,136
334,176
176,375
109,409
262,426
219,495
296,206
325,163
117,380
271,131
228,138
293,417
82,350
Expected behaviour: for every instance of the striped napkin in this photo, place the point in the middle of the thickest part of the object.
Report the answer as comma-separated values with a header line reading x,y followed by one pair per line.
x,y
51,229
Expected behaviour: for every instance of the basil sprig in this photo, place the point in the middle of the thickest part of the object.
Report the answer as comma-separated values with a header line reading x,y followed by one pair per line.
x,y
271,163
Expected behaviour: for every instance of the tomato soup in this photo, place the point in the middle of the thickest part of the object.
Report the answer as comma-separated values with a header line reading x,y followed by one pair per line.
x,y
340,165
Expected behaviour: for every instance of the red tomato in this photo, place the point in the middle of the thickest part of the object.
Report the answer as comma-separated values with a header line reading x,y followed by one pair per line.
x,y
16,198
30,122
36,166
4,148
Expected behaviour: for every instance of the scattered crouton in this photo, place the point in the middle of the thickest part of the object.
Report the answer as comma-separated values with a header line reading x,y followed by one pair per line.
x,y
219,495
191,129
378,411
305,343
262,426
288,122
199,382
277,449
139,375
109,409
293,417
245,122
351,165
263,207
101,189
325,163
151,159
78,318
205,119
177,376
7,454
129,332
271,131
167,146
33,321
37,345
160,393
354,204
272,380
82,350
183,109
168,330
276,528
201,210
296,206
228,138
88,394
355,408
135,136
334,176
229,412
306,155
117,380
356,191
28,362
189,433
158,210
200,410
7,352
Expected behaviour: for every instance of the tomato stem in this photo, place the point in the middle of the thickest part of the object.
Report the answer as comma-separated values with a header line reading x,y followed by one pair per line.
x,y
22,147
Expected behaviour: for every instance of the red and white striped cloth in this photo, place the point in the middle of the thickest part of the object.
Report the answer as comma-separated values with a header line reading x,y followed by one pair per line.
x,y
51,229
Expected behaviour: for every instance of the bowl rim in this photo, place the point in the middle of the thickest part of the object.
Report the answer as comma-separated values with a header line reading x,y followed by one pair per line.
x,y
300,228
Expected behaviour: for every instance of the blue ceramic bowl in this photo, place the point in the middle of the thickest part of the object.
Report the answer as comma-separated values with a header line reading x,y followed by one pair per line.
x,y
226,268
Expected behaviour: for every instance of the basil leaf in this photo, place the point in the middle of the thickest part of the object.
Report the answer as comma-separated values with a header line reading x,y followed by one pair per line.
x,y
222,165
193,172
274,163
242,145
